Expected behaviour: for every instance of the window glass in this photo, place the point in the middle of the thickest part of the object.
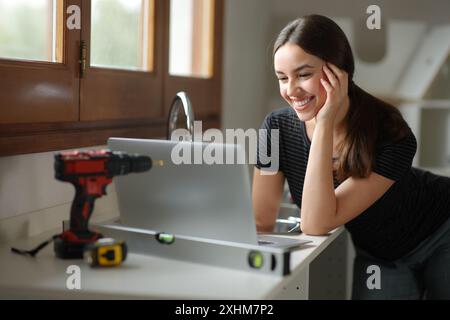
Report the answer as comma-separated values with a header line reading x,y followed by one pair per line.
x,y
31,30
122,34
191,38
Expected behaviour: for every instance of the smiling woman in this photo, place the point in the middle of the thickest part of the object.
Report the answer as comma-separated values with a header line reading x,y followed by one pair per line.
x,y
347,156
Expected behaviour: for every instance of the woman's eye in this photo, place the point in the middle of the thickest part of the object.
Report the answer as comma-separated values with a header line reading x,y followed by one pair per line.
x,y
300,76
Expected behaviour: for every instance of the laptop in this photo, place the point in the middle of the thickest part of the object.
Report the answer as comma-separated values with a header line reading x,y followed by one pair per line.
x,y
202,200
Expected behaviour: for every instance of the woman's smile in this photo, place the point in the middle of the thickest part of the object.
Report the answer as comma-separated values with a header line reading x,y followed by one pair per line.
x,y
300,105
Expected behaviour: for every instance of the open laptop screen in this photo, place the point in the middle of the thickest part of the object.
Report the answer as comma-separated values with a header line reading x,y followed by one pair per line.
x,y
201,200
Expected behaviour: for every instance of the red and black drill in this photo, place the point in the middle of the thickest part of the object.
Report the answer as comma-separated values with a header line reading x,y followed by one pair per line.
x,y
90,172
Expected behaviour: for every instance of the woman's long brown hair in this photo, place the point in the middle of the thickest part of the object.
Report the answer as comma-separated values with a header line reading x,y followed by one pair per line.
x,y
369,119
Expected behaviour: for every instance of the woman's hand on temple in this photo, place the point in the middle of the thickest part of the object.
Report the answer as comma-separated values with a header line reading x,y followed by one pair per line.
x,y
337,92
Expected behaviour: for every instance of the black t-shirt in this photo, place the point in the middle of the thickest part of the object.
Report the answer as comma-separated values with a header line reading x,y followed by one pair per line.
x,y
410,211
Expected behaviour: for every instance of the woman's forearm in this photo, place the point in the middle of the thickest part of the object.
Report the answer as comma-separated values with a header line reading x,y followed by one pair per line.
x,y
319,200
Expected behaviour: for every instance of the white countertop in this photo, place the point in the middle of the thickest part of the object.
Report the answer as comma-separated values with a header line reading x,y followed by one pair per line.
x,y
142,277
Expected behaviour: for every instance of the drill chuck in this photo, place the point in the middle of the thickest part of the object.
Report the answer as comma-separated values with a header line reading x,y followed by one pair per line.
x,y
122,164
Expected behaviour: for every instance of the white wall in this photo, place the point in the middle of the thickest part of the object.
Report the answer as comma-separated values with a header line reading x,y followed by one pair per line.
x,y
246,59
435,11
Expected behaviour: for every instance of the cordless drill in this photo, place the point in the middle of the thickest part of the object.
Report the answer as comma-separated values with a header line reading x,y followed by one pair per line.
x,y
90,172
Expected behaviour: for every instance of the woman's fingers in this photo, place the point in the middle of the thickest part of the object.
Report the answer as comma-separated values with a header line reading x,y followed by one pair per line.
x,y
341,75
338,72
326,85
331,77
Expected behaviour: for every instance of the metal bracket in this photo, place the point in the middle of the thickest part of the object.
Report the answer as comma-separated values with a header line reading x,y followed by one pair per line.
x,y
83,58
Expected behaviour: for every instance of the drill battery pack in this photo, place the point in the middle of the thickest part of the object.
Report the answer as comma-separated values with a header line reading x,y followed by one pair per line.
x,y
71,246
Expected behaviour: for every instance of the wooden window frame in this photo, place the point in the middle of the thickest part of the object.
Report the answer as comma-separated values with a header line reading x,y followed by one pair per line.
x,y
30,137
205,94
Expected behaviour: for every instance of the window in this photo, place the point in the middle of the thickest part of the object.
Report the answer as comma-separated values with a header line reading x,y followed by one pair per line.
x,y
137,54
37,65
191,38
122,34
199,58
43,17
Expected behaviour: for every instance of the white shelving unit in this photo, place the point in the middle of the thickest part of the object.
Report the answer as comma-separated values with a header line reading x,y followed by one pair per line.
x,y
427,85
428,65
430,122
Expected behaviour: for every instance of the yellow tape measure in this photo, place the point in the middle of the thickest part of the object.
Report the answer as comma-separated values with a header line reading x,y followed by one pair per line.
x,y
106,252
